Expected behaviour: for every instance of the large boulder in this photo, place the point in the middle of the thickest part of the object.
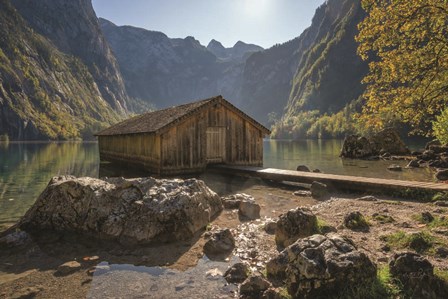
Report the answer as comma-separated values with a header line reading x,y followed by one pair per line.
x,y
356,147
294,224
385,141
133,211
416,274
388,140
322,266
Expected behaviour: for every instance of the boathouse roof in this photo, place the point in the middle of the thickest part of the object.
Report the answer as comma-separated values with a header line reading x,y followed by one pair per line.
x,y
153,122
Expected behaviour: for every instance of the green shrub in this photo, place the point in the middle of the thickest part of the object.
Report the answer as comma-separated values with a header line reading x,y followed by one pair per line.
x,y
440,126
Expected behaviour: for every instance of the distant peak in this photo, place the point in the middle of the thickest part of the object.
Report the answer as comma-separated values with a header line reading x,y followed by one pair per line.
x,y
105,22
239,44
215,44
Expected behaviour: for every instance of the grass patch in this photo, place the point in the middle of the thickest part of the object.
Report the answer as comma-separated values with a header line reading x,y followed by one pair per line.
x,y
323,227
383,286
436,222
442,274
383,218
440,196
421,242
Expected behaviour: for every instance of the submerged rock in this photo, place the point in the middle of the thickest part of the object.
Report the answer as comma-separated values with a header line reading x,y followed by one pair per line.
x,y
295,224
321,266
303,168
133,211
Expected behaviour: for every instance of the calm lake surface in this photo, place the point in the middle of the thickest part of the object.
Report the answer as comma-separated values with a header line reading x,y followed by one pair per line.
x,y
26,168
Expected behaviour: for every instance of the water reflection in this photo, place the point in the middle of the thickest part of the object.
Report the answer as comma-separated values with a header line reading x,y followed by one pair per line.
x,y
324,155
129,281
26,168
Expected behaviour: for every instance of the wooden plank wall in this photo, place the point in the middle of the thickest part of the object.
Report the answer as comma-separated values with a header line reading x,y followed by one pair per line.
x,y
143,149
183,147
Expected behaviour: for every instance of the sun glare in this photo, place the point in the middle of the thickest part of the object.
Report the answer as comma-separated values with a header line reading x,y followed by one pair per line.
x,y
256,8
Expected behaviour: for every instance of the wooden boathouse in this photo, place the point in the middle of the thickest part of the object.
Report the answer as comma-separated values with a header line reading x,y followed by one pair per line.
x,y
186,138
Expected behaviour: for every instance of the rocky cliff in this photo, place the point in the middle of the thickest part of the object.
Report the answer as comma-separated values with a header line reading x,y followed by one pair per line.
x,y
50,88
327,81
72,26
168,71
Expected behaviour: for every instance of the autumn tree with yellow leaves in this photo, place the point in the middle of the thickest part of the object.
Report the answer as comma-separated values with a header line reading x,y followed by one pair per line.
x,y
407,44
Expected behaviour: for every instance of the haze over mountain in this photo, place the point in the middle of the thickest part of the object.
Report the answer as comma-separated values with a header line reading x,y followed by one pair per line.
x,y
168,71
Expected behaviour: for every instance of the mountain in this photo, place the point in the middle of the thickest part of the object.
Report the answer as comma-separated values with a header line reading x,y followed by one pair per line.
x,y
315,75
326,87
239,52
72,26
168,71
50,86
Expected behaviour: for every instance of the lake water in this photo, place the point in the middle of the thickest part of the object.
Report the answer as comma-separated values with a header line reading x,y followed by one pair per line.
x,y
26,168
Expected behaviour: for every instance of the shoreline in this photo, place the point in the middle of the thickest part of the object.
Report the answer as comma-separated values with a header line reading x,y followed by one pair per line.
x,y
33,270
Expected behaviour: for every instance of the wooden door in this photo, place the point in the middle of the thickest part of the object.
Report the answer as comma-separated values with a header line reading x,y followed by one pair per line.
x,y
216,144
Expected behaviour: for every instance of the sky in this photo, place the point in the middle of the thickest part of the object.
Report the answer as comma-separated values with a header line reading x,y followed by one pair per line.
x,y
261,22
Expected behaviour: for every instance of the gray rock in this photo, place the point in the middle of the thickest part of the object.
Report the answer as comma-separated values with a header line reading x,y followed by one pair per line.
x,y
68,267
303,168
356,147
442,175
432,142
441,203
270,227
416,273
394,167
428,155
273,293
367,198
318,266
295,224
232,202
355,220
438,149
319,190
249,209
276,266
302,193
413,164
427,217
386,141
220,242
442,252
316,170
237,273
254,286
130,211
16,238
